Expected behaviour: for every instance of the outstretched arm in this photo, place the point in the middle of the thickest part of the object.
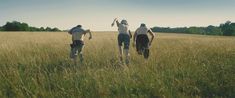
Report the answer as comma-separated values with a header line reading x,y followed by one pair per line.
x,y
88,31
151,33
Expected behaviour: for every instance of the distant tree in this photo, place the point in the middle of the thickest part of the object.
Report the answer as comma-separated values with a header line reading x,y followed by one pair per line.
x,y
228,28
233,27
32,29
196,30
10,26
18,26
55,29
212,30
24,27
48,29
42,29
1,29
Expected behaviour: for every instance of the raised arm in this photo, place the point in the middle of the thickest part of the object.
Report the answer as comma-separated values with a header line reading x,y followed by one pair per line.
x,y
117,22
151,33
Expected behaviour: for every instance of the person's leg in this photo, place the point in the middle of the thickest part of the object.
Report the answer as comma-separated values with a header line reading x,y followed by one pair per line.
x,y
146,47
126,48
80,53
146,53
120,52
120,41
138,45
73,54
142,43
127,56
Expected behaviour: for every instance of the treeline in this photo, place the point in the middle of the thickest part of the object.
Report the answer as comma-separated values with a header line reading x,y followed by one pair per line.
x,y
226,29
18,26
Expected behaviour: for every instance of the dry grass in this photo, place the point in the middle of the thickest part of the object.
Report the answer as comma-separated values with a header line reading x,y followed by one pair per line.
x,y
180,65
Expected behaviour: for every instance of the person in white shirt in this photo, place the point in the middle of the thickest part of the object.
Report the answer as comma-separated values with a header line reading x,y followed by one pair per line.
x,y
78,34
141,40
123,38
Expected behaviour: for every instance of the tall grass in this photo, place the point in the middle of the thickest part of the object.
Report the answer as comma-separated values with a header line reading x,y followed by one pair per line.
x,y
183,66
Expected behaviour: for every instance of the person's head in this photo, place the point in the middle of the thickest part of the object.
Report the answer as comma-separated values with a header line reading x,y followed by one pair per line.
x,y
143,25
124,22
79,26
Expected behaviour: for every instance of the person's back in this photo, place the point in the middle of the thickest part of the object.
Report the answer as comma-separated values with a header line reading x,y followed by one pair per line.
x,y
142,30
123,29
77,33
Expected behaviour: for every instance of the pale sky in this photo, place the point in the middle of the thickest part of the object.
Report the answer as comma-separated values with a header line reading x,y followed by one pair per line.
x,y
98,15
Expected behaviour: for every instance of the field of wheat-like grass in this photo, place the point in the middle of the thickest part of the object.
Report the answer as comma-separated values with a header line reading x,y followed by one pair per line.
x,y
37,64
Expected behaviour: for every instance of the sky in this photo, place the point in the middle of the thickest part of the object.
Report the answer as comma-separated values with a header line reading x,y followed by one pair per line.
x,y
98,15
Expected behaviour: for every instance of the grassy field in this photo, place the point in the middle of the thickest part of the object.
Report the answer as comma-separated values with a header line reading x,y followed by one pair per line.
x,y
180,66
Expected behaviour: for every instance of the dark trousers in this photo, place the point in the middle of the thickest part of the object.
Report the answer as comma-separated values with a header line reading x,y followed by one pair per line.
x,y
142,42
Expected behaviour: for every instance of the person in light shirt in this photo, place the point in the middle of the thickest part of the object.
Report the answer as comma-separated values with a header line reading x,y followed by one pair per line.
x,y
78,34
123,38
141,40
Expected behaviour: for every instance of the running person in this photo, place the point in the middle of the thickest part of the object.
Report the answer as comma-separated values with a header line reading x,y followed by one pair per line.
x,y
78,34
142,41
123,38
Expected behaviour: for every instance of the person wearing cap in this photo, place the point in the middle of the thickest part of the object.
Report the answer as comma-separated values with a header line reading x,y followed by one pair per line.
x,y
123,38
141,40
78,34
